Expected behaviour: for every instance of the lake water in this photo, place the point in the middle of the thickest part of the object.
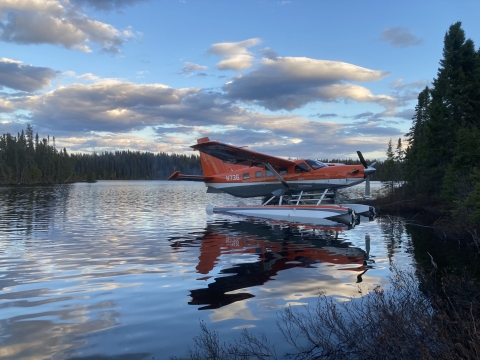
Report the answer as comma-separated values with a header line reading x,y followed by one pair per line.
x,y
131,268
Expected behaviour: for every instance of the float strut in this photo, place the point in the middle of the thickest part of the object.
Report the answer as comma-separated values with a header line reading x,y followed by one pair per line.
x,y
323,195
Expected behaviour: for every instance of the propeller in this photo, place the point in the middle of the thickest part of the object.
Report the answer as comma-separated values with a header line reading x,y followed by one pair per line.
x,y
367,171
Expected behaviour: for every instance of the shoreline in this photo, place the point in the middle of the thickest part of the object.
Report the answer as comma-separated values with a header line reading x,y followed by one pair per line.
x,y
429,213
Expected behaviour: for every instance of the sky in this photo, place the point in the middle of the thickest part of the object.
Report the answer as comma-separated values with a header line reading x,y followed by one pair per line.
x,y
300,78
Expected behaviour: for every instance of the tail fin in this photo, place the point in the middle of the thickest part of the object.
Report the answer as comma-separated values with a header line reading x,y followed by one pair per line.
x,y
212,166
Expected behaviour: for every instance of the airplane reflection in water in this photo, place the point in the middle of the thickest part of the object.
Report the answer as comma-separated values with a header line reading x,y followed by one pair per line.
x,y
277,247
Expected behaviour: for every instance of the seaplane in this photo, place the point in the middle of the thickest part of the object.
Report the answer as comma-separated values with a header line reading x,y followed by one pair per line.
x,y
245,173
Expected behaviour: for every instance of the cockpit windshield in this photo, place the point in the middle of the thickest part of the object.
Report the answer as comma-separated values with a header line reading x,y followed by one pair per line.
x,y
315,164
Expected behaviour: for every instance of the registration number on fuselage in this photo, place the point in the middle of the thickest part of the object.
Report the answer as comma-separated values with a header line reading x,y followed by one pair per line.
x,y
232,177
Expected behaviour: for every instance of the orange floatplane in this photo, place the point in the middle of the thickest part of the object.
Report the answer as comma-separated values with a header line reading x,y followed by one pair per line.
x,y
245,173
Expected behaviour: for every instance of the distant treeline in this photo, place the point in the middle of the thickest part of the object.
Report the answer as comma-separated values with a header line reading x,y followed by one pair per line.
x,y
25,159
133,165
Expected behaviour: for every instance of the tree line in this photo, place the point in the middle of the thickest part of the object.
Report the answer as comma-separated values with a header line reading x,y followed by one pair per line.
x,y
443,155
27,159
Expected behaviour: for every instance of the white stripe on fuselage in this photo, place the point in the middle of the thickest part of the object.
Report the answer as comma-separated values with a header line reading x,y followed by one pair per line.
x,y
332,183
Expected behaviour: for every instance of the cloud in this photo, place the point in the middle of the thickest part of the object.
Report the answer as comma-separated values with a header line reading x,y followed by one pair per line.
x,y
88,77
106,105
16,75
325,116
369,128
10,127
105,114
107,5
406,114
6,106
291,82
141,73
236,55
189,68
291,136
399,37
399,84
57,22
404,93
367,114
268,53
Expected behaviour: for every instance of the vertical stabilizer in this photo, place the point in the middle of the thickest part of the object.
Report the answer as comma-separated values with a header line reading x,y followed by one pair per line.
x,y
213,166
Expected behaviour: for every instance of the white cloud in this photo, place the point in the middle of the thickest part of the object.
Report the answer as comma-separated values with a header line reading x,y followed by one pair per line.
x,y
236,55
88,76
57,22
291,82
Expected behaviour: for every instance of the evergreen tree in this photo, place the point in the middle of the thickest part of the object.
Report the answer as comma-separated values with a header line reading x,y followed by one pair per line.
x,y
414,154
453,100
443,156
388,176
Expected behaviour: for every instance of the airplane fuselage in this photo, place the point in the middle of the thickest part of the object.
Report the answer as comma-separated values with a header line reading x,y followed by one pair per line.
x,y
256,181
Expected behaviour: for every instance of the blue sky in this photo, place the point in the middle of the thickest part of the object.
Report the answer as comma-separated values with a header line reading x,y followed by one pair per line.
x,y
292,78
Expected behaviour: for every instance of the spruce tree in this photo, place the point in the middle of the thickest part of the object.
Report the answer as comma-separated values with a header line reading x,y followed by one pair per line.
x,y
388,175
414,154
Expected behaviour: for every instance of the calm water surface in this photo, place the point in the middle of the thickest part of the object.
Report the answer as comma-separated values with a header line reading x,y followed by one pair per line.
x,y
131,268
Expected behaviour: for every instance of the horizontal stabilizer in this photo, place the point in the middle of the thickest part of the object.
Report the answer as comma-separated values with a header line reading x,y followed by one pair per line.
x,y
177,176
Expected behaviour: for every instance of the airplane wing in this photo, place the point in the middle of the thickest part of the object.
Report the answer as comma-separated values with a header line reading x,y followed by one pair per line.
x,y
239,155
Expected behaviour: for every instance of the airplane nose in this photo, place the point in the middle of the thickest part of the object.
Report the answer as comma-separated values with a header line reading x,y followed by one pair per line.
x,y
369,170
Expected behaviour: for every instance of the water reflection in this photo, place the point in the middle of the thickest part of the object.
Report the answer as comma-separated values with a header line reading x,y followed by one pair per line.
x,y
267,250
28,210
119,268
393,229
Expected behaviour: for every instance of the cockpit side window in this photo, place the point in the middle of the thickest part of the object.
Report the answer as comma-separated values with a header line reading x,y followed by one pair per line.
x,y
302,167
315,164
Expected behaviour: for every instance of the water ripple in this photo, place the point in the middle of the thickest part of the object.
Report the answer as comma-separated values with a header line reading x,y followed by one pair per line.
x,y
123,268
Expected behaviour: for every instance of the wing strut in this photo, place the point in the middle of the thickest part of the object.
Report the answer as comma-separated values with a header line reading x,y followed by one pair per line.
x,y
277,175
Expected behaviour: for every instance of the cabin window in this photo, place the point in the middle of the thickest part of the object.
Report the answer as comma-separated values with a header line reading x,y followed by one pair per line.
x,y
315,164
282,171
258,174
246,176
302,167
269,173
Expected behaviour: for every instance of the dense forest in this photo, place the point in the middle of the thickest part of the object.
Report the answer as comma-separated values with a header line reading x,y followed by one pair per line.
x,y
443,154
24,159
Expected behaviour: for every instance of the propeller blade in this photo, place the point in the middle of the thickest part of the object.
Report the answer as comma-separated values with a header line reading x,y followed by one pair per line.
x,y
362,160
